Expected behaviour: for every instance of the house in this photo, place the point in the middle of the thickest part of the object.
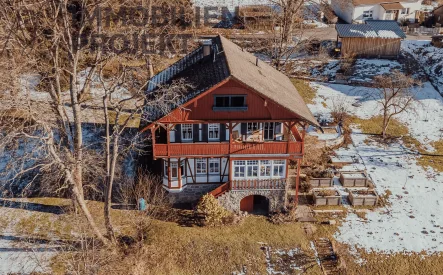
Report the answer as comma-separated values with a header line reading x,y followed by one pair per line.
x,y
257,17
376,38
234,133
438,15
358,11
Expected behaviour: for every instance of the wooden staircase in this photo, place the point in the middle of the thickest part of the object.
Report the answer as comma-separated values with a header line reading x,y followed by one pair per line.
x,y
328,258
222,189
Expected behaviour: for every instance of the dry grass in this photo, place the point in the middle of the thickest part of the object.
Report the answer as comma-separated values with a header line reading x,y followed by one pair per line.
x,y
373,126
306,91
432,159
395,264
172,248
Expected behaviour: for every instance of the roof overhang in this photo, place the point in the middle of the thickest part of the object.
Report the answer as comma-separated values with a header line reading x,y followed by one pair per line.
x,y
392,6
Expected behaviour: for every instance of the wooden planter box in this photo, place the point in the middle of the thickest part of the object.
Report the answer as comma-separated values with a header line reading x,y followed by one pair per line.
x,y
326,200
354,179
322,182
363,198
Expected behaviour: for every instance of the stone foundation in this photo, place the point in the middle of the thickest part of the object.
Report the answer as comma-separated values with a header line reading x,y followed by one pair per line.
x,y
192,193
231,200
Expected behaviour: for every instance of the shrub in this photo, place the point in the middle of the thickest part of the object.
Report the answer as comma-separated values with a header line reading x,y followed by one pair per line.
x,y
305,187
213,213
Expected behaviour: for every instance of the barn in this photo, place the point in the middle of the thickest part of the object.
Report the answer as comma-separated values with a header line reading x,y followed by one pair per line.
x,y
375,38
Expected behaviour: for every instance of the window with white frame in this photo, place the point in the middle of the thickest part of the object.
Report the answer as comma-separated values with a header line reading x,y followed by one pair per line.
x,y
173,169
367,14
259,169
278,168
252,168
214,131
265,168
186,131
214,166
201,166
239,168
405,11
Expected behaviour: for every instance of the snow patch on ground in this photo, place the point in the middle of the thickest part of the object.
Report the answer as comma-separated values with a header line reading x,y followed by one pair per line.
x,y
424,123
413,222
430,57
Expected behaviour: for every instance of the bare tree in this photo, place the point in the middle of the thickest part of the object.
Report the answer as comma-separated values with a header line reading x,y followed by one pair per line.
x,y
395,95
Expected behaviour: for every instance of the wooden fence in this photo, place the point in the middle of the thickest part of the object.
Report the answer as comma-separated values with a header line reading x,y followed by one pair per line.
x,y
422,30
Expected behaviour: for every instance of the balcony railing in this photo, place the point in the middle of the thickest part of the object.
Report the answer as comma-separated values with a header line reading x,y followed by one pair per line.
x,y
223,148
256,184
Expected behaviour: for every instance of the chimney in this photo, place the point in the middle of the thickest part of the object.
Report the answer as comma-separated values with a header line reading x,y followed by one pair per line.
x,y
207,45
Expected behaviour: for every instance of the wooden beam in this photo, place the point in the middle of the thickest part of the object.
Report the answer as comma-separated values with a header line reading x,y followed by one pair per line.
x,y
297,181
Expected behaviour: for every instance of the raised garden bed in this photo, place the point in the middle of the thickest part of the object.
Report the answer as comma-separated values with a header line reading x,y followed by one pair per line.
x,y
326,197
363,198
354,179
322,182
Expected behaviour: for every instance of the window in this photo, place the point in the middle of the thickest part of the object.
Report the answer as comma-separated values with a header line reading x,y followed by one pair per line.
x,y
279,168
239,168
252,168
214,131
201,166
259,169
186,131
265,168
367,14
183,168
230,103
269,129
253,127
405,11
214,166
174,169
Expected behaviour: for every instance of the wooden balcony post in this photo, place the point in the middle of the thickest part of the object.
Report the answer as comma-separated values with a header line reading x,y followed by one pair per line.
x,y
297,181
179,167
169,173
168,141
153,141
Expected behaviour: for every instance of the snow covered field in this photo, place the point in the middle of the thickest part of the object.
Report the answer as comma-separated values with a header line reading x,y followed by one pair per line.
x,y
413,222
431,59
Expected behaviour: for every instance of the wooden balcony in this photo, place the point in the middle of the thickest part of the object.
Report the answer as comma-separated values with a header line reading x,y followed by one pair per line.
x,y
224,148
256,184
253,184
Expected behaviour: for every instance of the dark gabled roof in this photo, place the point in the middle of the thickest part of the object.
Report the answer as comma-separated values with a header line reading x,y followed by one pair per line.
x,y
372,29
227,60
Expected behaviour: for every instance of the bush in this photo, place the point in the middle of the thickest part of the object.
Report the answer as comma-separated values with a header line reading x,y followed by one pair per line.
x,y
305,187
213,213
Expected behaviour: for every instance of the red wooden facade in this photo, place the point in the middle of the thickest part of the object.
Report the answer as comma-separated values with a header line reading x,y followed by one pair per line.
x,y
259,109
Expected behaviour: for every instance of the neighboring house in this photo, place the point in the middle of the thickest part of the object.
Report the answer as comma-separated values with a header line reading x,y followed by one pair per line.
x,y
376,38
358,11
234,133
438,15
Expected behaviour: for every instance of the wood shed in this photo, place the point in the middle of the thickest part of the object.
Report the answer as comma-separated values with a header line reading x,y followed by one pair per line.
x,y
376,39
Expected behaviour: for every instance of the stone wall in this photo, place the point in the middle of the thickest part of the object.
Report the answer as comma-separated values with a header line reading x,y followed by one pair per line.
x,y
192,193
231,200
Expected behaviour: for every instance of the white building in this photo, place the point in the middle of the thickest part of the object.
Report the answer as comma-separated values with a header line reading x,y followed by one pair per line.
x,y
358,11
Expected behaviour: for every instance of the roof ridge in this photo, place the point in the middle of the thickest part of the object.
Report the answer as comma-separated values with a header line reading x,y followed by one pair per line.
x,y
219,36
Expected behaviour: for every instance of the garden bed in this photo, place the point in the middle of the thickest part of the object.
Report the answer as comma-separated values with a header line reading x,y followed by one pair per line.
x,y
326,197
363,198
354,179
322,182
